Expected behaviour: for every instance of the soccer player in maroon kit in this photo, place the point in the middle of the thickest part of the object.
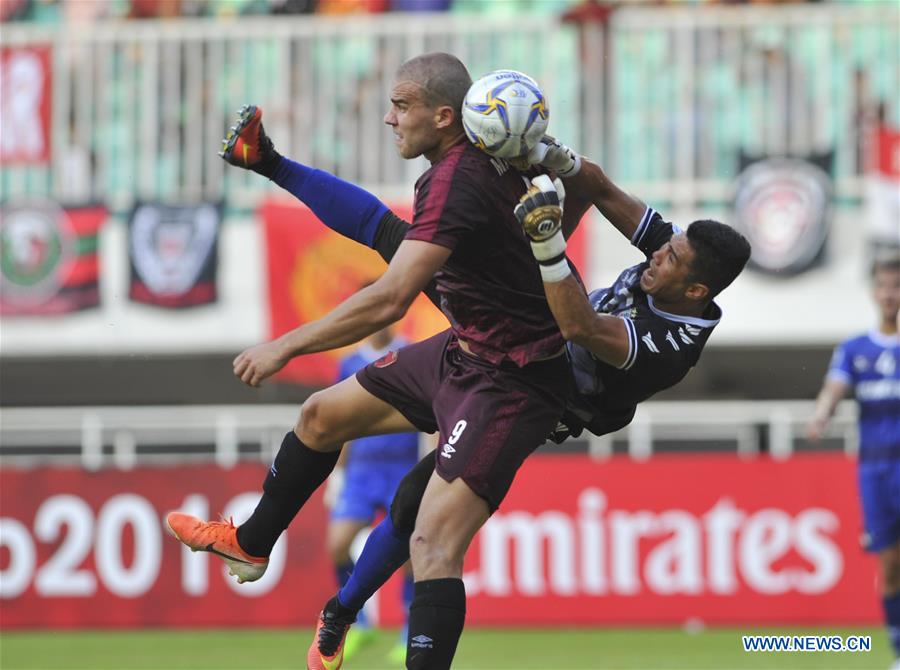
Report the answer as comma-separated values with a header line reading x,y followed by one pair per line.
x,y
494,385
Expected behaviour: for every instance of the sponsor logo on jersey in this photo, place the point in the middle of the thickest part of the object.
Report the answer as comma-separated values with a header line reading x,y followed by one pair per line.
x,y
878,389
388,359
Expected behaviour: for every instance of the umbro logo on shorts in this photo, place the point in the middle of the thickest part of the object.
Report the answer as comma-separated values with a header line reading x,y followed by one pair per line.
x,y
388,359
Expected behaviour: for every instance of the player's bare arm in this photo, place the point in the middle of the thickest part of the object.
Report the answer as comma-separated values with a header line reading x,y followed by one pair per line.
x,y
833,391
587,184
605,336
622,210
540,211
365,312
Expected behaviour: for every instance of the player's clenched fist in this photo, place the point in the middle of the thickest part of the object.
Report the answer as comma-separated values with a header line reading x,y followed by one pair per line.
x,y
540,209
257,363
540,213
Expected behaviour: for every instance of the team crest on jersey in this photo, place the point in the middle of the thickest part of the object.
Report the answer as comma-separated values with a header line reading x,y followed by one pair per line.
x,y
388,359
885,364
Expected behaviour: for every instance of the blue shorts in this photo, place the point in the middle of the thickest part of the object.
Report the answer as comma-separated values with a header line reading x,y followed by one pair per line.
x,y
369,486
879,489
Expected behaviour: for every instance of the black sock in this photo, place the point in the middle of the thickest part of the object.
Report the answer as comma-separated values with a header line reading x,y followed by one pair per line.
x,y
436,618
267,164
295,474
269,158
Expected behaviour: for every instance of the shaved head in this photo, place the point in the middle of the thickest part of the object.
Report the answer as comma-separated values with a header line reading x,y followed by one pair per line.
x,y
442,77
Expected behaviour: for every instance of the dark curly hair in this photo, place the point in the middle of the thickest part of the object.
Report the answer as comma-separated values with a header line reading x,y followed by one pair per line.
x,y
720,253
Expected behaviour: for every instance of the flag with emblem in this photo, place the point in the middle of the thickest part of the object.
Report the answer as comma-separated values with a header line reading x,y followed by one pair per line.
x,y
173,251
783,206
48,258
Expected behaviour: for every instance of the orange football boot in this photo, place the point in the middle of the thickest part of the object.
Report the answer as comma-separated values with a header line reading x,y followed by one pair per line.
x,y
246,143
219,538
327,649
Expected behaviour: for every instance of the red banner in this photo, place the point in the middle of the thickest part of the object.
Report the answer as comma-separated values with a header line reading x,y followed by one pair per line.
x,y
887,152
577,542
84,549
25,104
708,537
311,269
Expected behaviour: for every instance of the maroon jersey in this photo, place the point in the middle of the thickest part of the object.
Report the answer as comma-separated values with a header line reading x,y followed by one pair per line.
x,y
490,287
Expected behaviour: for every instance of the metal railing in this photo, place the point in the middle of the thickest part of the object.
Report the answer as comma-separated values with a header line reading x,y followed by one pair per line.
x,y
121,437
773,426
141,107
691,89
666,97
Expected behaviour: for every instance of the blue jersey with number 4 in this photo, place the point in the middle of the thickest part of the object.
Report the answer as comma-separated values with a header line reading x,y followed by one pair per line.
x,y
870,364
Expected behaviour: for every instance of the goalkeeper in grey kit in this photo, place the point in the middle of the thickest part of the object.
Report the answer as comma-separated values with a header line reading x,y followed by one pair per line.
x,y
625,342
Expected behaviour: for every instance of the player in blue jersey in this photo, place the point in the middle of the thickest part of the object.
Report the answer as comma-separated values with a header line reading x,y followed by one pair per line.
x,y
363,483
869,365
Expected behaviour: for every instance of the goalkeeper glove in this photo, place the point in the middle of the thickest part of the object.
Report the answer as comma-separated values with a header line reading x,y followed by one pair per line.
x,y
540,213
552,154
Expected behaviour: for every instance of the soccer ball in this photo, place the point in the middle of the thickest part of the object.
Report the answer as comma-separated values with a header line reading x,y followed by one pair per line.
x,y
505,114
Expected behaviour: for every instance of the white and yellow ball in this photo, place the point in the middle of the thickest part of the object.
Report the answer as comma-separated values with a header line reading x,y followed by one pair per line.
x,y
505,114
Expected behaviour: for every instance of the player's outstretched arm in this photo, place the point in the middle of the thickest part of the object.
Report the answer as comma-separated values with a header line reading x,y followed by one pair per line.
x,y
552,154
587,184
540,213
621,209
365,312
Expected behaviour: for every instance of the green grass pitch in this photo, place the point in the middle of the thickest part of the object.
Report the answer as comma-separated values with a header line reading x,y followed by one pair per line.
x,y
480,649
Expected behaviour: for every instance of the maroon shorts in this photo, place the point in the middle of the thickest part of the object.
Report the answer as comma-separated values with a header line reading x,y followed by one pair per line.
x,y
490,417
